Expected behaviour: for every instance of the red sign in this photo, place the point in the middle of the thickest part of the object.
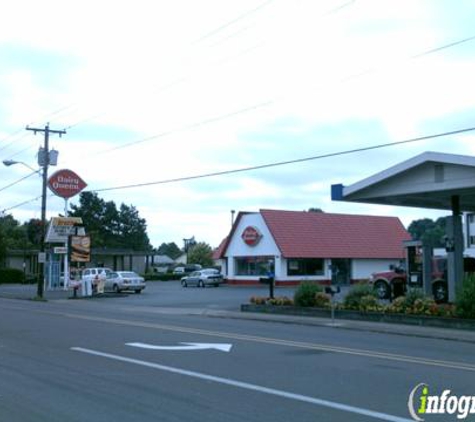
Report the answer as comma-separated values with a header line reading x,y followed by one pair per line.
x,y
66,183
251,236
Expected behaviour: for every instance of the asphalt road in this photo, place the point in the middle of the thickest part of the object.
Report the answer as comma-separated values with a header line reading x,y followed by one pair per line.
x,y
74,361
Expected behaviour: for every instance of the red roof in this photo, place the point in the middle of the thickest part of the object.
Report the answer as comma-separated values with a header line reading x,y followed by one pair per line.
x,y
219,251
322,235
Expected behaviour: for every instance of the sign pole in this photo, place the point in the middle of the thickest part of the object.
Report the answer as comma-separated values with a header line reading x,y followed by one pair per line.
x,y
66,255
65,183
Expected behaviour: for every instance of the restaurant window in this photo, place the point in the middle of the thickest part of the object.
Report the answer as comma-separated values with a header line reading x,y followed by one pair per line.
x,y
305,266
254,265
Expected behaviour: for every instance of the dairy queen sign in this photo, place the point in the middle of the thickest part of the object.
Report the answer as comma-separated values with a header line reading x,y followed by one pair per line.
x,y
251,236
65,183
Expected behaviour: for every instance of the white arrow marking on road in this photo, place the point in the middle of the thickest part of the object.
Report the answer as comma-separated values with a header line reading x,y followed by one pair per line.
x,y
186,346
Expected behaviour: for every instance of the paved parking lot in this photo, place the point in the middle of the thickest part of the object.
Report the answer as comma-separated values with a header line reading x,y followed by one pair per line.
x,y
168,294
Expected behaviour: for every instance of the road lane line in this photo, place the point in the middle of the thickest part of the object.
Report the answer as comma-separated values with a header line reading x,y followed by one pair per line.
x,y
248,386
289,343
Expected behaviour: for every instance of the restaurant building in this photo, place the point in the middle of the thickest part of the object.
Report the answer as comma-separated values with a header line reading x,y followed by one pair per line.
x,y
296,246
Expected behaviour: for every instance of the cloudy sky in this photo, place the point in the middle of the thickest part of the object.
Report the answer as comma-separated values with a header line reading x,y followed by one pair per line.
x,y
154,90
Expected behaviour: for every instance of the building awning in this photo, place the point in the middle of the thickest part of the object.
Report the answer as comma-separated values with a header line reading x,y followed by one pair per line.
x,y
429,180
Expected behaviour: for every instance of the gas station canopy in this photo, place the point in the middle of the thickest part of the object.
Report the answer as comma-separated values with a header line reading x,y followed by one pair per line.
x,y
429,180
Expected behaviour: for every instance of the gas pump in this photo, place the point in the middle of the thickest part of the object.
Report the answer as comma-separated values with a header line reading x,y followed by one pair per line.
x,y
419,265
414,263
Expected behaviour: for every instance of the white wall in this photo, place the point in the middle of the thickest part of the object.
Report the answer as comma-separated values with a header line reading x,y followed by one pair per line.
x,y
363,268
266,246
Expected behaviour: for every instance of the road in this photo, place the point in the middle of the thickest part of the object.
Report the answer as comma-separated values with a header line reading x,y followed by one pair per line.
x,y
73,361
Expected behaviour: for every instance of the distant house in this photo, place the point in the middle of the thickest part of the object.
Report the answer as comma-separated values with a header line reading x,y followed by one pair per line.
x,y
161,263
182,259
161,260
296,246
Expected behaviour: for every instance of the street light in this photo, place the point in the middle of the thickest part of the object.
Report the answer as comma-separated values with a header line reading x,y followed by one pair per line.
x,y
43,224
9,163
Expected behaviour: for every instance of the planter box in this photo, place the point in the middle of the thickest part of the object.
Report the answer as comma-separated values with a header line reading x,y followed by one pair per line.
x,y
421,320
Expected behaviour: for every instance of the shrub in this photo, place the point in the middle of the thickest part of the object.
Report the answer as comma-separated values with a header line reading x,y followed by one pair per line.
x,y
258,300
162,277
11,275
280,301
416,303
465,302
370,303
322,300
305,294
357,292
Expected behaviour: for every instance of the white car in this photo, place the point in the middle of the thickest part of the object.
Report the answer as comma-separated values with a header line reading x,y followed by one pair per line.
x,y
202,278
119,281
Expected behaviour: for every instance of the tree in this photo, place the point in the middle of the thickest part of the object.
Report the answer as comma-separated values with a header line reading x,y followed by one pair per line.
x,y
315,210
428,231
170,249
109,226
200,253
12,236
132,228
34,231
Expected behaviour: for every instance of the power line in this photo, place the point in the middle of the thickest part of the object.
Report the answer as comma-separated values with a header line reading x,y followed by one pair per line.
x,y
192,126
270,101
21,204
282,163
218,62
19,180
233,21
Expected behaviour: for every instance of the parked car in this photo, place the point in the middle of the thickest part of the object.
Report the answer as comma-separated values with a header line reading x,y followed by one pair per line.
x,y
185,269
203,278
93,273
119,281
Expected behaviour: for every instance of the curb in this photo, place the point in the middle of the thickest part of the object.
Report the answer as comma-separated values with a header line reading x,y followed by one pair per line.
x,y
377,317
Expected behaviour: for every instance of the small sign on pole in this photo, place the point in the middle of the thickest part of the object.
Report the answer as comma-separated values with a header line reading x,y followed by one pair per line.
x,y
60,250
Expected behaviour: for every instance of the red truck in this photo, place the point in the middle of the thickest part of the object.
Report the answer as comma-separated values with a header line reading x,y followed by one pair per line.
x,y
394,282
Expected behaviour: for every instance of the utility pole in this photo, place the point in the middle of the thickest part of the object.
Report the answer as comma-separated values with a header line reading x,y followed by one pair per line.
x,y
45,163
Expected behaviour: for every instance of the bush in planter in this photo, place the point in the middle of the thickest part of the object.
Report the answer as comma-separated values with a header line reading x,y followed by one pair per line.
x,y
280,301
305,294
416,303
465,302
370,303
357,292
258,300
322,300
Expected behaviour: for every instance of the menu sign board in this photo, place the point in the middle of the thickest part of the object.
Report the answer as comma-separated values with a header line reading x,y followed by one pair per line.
x,y
80,248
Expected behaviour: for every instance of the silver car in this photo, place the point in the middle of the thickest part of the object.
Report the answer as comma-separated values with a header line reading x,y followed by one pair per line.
x,y
202,278
119,281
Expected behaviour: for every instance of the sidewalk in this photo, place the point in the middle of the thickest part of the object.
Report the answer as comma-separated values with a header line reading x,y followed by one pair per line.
x,y
347,324
29,291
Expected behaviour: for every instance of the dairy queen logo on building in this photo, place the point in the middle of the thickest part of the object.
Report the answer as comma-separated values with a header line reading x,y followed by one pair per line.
x,y
251,236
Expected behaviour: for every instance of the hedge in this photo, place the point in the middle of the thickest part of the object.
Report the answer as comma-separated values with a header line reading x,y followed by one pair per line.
x,y
11,275
162,277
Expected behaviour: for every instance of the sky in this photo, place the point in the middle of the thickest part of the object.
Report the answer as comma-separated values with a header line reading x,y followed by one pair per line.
x,y
153,91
